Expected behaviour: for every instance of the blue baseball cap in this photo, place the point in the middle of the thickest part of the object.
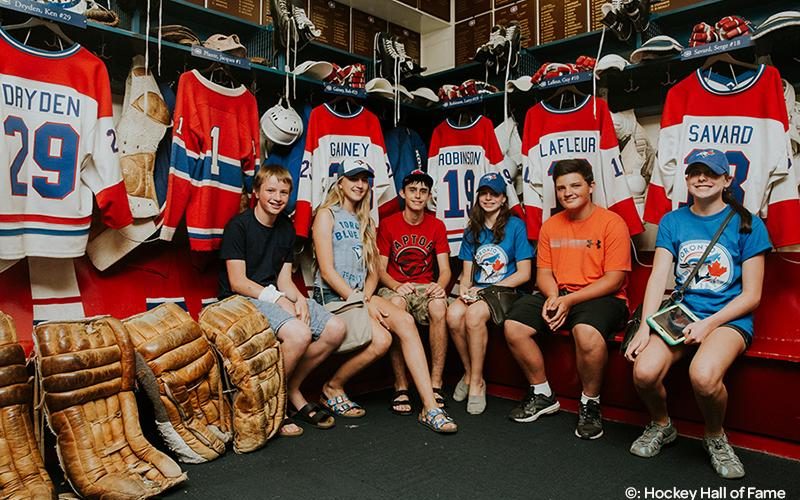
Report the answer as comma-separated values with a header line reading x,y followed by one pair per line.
x,y
350,167
712,158
493,181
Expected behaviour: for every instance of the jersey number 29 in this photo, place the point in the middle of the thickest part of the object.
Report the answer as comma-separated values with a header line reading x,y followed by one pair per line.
x,y
64,163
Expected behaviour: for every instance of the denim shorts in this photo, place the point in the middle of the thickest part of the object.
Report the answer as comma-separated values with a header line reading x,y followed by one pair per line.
x,y
278,316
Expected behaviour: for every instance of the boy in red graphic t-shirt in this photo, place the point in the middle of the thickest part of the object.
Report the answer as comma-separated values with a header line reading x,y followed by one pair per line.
x,y
411,243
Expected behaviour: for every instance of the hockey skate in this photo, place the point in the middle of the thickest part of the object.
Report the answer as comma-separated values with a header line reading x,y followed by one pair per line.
x,y
616,20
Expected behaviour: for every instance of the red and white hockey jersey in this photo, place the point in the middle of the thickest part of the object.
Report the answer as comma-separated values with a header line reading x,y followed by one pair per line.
x,y
551,135
331,138
457,158
748,121
215,151
58,146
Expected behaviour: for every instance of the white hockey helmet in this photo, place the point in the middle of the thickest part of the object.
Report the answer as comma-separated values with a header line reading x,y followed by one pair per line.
x,y
281,123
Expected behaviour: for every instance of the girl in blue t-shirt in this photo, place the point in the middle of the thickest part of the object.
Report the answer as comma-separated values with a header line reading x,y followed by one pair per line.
x,y
723,294
496,251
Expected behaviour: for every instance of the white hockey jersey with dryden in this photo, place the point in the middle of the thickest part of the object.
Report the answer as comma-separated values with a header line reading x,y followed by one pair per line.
x,y
58,147
748,121
457,158
551,135
331,138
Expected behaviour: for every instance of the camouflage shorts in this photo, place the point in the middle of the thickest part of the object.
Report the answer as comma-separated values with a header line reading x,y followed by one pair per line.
x,y
416,303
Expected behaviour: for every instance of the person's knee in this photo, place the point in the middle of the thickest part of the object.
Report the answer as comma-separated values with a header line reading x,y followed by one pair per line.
x,y
455,317
398,301
405,325
295,336
516,332
647,374
475,316
705,379
437,309
381,342
588,340
334,332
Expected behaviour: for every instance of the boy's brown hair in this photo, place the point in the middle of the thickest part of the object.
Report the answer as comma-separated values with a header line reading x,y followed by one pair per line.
x,y
266,171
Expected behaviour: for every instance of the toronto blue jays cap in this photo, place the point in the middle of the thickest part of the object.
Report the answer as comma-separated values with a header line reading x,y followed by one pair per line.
x,y
350,167
418,175
493,181
712,158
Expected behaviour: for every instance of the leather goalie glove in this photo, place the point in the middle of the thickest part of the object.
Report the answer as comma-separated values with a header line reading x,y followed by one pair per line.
x,y
22,472
253,363
178,371
144,120
86,371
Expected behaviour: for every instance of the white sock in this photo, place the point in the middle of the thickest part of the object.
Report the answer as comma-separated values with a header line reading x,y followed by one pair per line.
x,y
585,399
543,388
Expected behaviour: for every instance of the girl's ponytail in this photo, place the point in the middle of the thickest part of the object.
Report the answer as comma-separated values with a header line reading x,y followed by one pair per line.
x,y
745,217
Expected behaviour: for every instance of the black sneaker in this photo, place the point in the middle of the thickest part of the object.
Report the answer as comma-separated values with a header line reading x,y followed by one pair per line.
x,y
533,406
590,422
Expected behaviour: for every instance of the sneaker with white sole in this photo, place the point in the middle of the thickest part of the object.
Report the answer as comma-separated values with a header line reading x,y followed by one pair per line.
x,y
723,458
534,406
653,438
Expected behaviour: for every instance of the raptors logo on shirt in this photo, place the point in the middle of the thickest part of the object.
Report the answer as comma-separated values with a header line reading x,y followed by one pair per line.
x,y
411,254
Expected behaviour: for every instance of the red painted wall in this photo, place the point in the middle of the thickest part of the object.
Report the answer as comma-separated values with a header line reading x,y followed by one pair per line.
x,y
761,384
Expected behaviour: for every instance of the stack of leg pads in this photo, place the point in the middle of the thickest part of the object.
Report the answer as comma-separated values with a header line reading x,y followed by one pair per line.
x,y
22,472
86,369
178,371
253,364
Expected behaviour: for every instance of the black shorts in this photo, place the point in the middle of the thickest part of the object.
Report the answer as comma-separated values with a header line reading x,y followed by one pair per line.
x,y
607,314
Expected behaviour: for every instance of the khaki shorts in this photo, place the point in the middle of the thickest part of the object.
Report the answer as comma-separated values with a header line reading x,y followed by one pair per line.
x,y
416,303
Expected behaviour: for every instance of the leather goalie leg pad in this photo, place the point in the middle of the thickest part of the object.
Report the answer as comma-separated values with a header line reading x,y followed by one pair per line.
x,y
22,472
185,372
254,364
87,377
144,120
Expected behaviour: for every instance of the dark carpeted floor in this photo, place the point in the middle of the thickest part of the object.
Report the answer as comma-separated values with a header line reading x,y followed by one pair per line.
x,y
388,456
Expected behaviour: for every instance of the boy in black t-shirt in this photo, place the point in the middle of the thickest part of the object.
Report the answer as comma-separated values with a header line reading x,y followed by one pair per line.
x,y
257,247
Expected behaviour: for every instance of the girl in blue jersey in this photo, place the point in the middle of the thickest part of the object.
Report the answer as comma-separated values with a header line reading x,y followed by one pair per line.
x,y
347,259
496,251
723,294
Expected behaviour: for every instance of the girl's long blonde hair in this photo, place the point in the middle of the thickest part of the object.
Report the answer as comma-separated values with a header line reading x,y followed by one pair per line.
x,y
365,222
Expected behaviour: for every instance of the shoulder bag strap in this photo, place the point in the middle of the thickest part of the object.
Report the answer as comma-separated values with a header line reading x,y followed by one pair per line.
x,y
677,295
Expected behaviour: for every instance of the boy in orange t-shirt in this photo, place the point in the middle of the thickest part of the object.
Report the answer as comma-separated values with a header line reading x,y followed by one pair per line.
x,y
582,264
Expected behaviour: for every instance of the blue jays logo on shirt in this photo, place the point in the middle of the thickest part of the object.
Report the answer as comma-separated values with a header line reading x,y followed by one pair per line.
x,y
358,250
715,274
493,262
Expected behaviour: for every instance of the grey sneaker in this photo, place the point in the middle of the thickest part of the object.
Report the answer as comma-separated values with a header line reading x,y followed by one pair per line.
x,y
590,422
723,458
533,406
652,439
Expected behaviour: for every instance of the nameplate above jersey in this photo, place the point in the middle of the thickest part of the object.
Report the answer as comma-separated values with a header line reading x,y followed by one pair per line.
x,y
463,101
571,79
220,57
332,88
46,11
719,47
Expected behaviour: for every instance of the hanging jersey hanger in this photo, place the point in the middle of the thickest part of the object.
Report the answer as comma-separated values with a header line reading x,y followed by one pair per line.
x,y
727,58
35,22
